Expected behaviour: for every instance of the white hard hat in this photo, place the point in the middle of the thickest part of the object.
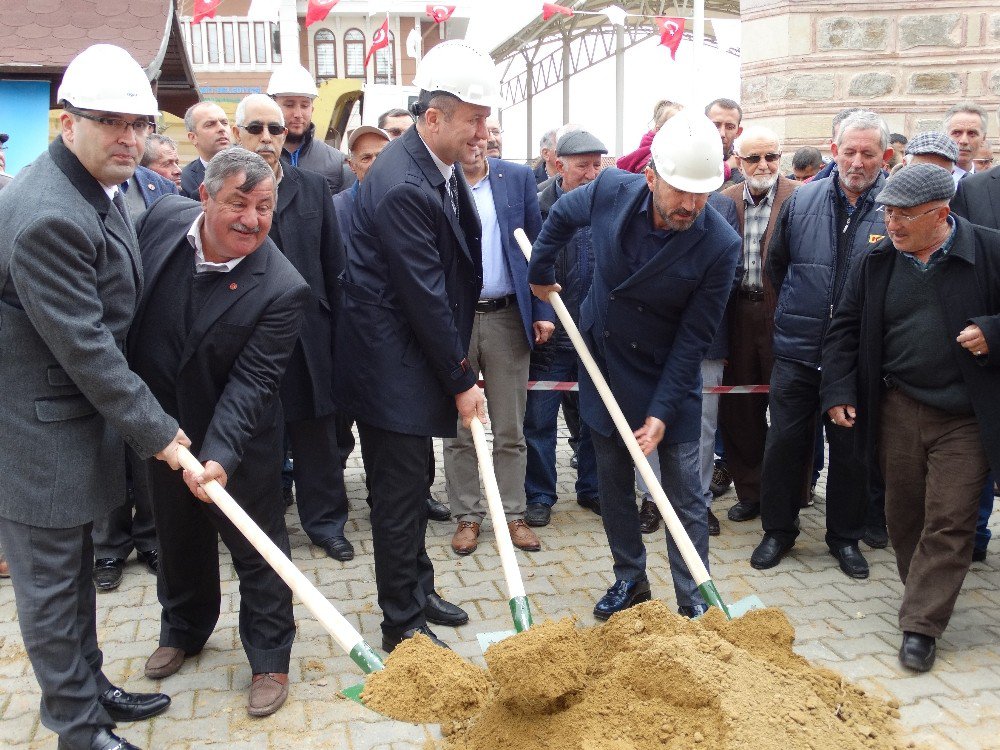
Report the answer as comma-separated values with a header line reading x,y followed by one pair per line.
x,y
107,78
461,70
291,79
687,153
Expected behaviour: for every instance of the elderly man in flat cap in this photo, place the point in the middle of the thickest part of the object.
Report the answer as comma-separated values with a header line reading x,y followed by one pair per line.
x,y
932,147
910,362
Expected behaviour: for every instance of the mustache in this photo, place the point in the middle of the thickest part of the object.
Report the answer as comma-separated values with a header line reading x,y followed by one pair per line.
x,y
266,150
243,228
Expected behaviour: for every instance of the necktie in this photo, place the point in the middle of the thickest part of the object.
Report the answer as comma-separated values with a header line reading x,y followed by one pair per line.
x,y
453,192
119,202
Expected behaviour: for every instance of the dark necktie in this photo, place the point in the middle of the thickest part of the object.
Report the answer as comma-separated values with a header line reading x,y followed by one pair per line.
x,y
453,192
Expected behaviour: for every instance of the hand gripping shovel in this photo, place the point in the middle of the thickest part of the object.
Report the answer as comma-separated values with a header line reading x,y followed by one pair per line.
x,y
519,608
697,569
333,622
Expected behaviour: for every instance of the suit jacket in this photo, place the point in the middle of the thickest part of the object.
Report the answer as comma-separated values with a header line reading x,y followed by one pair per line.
x,y
152,185
978,198
236,351
515,195
648,330
192,176
305,229
410,289
70,280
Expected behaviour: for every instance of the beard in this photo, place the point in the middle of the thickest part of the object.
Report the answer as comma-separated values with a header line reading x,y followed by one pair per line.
x,y
761,184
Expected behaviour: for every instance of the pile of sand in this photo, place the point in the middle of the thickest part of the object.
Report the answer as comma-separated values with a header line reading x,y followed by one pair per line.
x,y
645,679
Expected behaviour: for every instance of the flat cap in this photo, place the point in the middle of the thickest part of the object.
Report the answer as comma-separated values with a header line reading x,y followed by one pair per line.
x,y
364,130
917,184
933,142
579,142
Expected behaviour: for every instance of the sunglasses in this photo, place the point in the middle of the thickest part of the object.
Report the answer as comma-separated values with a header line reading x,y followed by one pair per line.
x,y
755,159
256,128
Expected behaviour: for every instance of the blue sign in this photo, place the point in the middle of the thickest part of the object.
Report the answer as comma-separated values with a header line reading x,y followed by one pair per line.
x,y
24,116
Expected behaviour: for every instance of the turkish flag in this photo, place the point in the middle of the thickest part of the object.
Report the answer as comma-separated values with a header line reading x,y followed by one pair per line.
x,y
204,9
551,9
440,13
318,10
380,40
671,33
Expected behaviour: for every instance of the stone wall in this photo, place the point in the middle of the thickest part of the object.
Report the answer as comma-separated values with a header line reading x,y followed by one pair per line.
x,y
804,60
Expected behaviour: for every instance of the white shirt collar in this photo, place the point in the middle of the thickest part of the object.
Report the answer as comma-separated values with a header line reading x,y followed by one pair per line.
x,y
200,264
446,169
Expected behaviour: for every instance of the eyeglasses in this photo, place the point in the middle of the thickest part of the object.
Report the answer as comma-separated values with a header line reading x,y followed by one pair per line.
x,y
755,159
893,214
982,163
256,128
141,126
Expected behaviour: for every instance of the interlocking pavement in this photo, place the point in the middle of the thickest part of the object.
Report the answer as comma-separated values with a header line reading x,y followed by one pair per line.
x,y
841,623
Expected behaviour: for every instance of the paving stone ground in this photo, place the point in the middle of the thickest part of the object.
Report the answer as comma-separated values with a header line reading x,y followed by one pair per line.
x,y
847,625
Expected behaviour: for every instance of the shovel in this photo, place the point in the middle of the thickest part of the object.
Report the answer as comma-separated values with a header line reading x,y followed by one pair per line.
x,y
519,608
333,622
690,555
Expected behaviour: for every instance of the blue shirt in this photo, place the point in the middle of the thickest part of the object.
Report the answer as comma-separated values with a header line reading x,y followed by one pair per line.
x,y
496,277
642,240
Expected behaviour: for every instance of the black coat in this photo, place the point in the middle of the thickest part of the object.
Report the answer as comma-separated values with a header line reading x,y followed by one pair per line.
x,y
978,198
410,288
235,354
305,229
192,176
969,292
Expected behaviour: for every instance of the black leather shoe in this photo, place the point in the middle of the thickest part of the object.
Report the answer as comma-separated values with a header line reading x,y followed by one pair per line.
x,y
713,525
692,611
437,511
108,573
440,612
104,739
590,503
390,642
649,517
917,652
338,548
537,514
769,553
721,481
876,537
978,555
574,462
622,595
151,558
122,706
744,511
852,562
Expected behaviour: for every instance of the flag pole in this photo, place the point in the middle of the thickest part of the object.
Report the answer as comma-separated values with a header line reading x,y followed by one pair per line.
x,y
699,49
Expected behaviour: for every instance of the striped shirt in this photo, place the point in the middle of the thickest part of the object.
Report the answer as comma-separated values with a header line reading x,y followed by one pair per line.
x,y
755,220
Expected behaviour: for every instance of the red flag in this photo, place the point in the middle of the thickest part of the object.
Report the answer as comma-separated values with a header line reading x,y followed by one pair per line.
x,y
440,13
551,9
671,33
380,40
204,9
318,10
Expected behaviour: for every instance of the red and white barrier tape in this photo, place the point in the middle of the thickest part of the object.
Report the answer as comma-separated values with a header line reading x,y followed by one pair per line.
x,y
560,385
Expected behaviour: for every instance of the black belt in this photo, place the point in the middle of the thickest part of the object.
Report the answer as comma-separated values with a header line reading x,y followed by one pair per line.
x,y
754,295
497,303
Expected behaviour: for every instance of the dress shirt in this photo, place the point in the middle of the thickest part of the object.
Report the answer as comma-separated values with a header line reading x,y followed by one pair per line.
x,y
496,277
200,264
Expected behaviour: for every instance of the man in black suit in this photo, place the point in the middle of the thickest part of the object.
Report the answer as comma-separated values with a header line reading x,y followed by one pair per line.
x,y
413,276
216,326
208,129
978,198
305,229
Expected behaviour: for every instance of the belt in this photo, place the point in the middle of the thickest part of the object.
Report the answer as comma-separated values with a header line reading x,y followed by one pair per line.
x,y
754,295
497,303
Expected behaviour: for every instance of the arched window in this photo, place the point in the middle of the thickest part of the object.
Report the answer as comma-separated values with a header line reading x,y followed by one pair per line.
x,y
354,54
325,44
385,59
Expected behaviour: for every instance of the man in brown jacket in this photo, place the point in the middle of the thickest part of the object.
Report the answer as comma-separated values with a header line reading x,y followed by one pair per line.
x,y
742,417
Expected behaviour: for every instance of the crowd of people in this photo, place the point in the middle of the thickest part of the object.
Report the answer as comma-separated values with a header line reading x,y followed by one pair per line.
x,y
276,297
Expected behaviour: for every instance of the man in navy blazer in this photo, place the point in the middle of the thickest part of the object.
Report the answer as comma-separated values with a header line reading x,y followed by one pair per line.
x,y
664,267
509,321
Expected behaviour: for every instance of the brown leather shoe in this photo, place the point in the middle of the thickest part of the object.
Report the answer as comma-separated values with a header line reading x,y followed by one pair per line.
x,y
523,537
4,567
165,661
649,517
268,692
466,538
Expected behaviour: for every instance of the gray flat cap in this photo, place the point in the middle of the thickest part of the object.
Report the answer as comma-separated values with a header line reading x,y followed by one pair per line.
x,y
579,142
917,184
933,142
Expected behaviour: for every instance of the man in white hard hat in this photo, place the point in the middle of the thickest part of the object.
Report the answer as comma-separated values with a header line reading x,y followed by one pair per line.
x,y
293,88
413,276
664,266
208,129
69,284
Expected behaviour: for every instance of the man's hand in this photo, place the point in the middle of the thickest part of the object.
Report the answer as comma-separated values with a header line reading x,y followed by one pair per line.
x,y
472,404
650,434
543,331
211,471
542,291
843,415
972,339
169,453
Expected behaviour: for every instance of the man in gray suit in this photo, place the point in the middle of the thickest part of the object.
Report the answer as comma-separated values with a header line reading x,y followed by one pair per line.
x,y
70,281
